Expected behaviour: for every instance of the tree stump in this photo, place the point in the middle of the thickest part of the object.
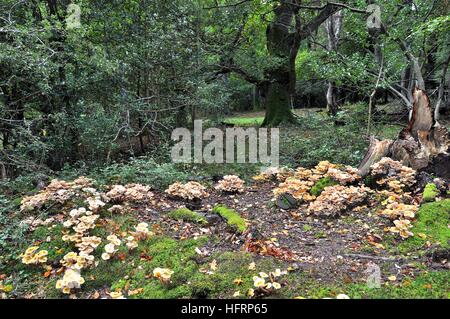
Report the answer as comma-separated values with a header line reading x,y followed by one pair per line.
x,y
423,145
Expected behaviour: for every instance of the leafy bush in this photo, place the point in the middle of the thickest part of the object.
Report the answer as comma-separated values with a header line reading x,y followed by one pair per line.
x,y
11,231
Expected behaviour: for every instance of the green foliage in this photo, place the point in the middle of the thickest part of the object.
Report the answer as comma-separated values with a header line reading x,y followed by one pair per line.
x,y
141,170
11,230
430,192
320,185
234,220
187,215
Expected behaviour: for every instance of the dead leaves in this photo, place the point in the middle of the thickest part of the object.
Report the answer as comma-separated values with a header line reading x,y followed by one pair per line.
x,y
268,248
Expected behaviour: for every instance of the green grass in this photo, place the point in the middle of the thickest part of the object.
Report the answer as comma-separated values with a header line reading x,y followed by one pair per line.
x,y
234,220
187,215
244,121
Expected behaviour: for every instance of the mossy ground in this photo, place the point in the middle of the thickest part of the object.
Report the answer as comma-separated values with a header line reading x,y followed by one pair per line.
x,y
431,225
429,285
187,215
234,220
430,192
132,271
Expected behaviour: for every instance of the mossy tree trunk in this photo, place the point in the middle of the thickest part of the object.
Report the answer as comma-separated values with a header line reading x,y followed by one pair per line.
x,y
280,77
284,36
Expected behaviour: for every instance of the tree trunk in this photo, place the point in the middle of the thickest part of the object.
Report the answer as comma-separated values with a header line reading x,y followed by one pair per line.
x,y
277,105
333,26
281,77
419,145
441,89
332,106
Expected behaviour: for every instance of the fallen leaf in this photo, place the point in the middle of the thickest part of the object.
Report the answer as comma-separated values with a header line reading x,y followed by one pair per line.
x,y
135,291
392,278
238,281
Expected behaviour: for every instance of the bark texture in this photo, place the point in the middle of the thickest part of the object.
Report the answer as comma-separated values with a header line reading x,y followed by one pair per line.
x,y
422,145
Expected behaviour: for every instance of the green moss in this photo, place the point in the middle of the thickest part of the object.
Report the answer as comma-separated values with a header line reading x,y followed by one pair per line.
x,y
231,266
318,188
426,285
432,221
187,215
179,256
430,192
234,220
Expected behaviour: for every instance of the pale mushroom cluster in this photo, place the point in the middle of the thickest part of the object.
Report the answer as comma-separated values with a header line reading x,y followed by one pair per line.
x,y
111,247
130,192
335,199
33,256
299,183
57,191
163,274
402,227
189,190
393,174
74,261
398,206
344,176
231,184
260,280
71,280
397,210
142,230
299,189
34,223
271,173
79,222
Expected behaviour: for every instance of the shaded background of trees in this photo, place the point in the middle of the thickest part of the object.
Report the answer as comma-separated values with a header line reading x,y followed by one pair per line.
x,y
116,85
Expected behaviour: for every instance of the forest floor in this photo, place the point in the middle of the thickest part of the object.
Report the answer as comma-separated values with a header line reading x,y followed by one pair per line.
x,y
316,257
252,237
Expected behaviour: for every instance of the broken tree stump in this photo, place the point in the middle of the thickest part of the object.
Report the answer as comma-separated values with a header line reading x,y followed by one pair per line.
x,y
423,145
